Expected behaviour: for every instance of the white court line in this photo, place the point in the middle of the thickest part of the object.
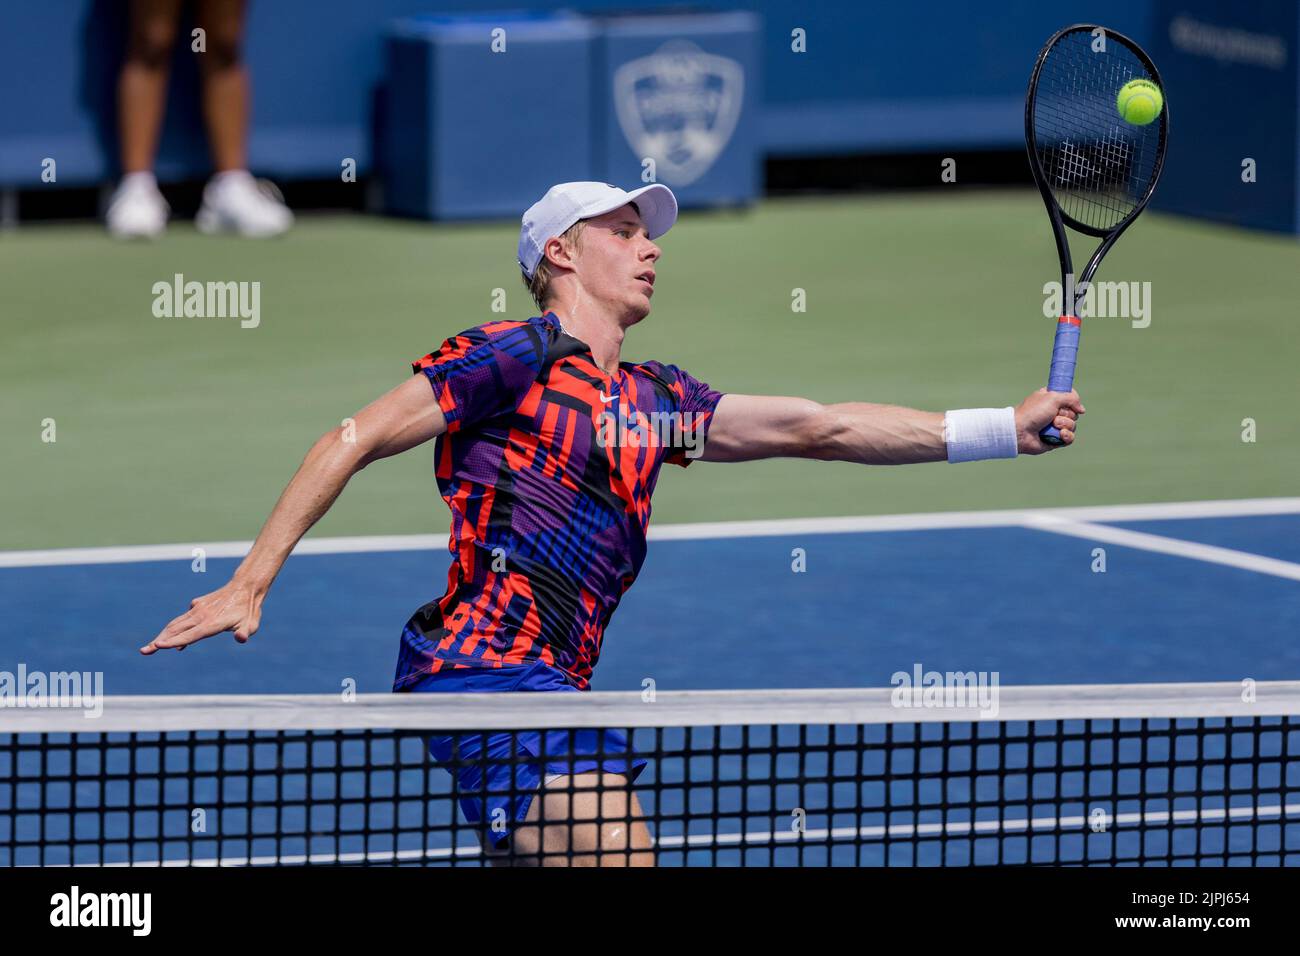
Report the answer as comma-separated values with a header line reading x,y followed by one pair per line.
x,y
937,521
134,554
765,838
945,520
1162,545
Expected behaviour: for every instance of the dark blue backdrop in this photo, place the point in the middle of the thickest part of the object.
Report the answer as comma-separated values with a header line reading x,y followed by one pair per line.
x,y
875,76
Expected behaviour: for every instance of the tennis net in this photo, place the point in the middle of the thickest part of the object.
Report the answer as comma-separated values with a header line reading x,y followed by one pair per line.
x,y
1163,774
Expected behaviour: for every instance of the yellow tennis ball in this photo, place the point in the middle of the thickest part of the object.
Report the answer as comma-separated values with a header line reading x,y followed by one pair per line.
x,y
1139,102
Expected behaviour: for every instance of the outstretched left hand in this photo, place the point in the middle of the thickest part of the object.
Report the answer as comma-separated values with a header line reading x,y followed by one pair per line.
x,y
1044,408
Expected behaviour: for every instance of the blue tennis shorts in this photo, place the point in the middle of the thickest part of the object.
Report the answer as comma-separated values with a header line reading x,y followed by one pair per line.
x,y
495,790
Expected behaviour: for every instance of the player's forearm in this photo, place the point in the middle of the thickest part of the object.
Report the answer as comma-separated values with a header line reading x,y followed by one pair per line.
x,y
318,481
872,434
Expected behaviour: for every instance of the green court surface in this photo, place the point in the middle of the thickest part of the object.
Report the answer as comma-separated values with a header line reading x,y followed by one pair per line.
x,y
182,429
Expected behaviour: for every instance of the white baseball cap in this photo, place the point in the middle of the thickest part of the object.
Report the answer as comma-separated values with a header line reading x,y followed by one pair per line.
x,y
565,204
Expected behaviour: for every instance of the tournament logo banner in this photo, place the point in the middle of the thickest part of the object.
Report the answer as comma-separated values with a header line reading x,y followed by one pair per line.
x,y
679,106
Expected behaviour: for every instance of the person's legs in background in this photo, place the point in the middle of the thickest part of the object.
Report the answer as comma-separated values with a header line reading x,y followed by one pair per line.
x,y
232,201
225,83
137,209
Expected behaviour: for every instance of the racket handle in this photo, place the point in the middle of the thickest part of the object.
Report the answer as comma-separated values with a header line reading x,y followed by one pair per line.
x,y
1065,352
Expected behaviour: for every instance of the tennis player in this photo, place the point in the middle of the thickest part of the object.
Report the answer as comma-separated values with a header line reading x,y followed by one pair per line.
x,y
548,450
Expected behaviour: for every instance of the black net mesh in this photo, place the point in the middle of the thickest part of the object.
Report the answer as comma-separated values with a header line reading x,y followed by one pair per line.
x,y
1194,790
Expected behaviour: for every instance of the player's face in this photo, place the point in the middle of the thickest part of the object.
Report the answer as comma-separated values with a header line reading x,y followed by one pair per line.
x,y
617,262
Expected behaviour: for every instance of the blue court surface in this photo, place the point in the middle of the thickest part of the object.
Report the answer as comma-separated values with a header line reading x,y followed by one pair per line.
x,y
1190,592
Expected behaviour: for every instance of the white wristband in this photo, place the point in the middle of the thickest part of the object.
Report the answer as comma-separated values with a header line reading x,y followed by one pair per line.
x,y
973,434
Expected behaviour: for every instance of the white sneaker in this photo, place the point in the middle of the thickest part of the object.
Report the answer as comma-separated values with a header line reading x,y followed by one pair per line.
x,y
236,202
137,209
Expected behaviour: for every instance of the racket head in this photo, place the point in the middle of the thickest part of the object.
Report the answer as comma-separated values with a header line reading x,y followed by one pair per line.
x,y
1094,169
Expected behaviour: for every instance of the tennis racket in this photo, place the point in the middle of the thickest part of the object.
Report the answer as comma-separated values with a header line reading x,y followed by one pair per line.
x,y
1095,170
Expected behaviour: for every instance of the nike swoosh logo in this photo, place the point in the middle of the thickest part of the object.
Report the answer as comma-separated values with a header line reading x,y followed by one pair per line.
x,y
606,398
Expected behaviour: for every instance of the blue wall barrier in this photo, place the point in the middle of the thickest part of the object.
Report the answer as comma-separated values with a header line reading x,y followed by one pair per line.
x,y
483,113
468,132
874,76
1231,72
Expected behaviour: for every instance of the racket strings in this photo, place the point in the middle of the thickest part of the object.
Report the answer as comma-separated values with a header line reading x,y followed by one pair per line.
x,y
1098,167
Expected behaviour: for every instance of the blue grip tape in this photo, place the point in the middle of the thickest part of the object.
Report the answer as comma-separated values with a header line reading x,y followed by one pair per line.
x,y
1065,353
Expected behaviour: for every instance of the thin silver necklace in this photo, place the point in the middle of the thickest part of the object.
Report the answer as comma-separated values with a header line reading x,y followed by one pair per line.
x,y
613,374
562,328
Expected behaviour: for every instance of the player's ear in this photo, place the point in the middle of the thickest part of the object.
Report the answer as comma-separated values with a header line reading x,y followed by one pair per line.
x,y
560,251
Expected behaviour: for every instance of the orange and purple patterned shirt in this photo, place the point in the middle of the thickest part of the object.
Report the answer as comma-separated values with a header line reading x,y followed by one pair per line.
x,y
548,465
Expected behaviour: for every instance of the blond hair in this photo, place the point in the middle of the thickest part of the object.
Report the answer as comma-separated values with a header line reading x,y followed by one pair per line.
x,y
539,286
